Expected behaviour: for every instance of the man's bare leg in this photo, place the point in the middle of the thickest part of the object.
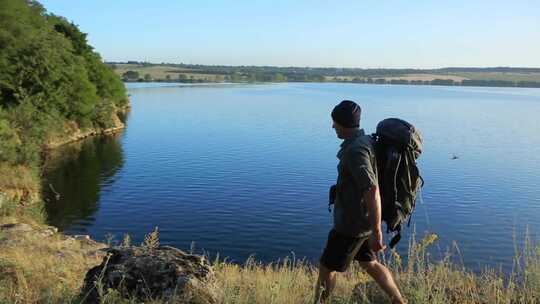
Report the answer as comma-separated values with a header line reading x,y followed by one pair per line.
x,y
326,282
384,279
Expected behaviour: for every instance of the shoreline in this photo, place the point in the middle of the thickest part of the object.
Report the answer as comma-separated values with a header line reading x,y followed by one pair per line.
x,y
77,134
82,135
534,85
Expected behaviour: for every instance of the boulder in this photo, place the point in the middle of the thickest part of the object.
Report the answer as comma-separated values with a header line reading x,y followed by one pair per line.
x,y
48,231
144,273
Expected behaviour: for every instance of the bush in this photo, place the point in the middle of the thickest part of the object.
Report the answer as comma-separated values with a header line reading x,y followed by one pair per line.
x,y
9,140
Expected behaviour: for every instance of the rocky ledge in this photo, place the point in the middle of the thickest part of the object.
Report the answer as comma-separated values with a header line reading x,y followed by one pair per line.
x,y
74,133
14,234
143,273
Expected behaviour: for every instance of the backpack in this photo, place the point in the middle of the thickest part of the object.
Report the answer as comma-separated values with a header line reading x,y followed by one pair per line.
x,y
398,144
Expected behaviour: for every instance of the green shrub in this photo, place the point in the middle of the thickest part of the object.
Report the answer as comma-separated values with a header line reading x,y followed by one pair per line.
x,y
9,141
50,76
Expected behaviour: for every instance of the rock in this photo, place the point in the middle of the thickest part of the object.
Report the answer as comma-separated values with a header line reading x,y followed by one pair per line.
x,y
96,254
81,237
14,233
152,273
48,231
16,228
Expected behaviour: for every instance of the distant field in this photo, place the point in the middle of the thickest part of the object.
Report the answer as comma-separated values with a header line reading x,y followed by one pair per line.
x,y
426,77
161,72
500,76
198,74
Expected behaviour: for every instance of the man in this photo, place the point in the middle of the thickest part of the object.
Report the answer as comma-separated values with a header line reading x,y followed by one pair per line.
x,y
357,233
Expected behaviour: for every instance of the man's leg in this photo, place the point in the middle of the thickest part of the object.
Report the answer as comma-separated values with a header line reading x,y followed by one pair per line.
x,y
326,282
337,256
384,279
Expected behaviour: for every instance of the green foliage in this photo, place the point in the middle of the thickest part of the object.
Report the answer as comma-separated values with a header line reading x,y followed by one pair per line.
x,y
278,77
9,140
131,75
50,76
107,83
70,31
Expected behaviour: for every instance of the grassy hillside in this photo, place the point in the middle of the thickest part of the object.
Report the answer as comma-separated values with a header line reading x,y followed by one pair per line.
x,y
166,73
505,76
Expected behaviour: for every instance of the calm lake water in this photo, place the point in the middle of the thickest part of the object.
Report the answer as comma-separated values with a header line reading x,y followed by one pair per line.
x,y
245,169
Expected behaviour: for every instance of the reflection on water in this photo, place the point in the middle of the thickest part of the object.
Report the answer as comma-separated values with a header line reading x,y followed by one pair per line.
x,y
74,175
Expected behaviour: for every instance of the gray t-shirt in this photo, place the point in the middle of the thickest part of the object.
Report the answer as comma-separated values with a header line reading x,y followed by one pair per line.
x,y
357,172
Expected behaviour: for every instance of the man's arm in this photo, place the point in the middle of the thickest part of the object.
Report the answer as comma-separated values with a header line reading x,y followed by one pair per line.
x,y
366,178
372,199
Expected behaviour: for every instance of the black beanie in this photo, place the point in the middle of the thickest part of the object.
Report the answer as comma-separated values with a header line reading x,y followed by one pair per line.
x,y
347,114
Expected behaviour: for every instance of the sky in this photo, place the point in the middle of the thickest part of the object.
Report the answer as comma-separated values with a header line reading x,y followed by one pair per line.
x,y
363,34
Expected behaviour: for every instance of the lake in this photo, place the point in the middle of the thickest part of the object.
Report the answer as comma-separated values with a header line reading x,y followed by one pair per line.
x,y
244,170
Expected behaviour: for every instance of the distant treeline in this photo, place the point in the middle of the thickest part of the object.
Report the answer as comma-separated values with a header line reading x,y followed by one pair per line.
x,y
50,79
291,71
450,82
308,74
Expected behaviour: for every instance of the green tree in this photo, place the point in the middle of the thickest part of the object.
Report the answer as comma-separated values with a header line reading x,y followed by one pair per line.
x,y
182,77
236,77
49,77
131,75
278,77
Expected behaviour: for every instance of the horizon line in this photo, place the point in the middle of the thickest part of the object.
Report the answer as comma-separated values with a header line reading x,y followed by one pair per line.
x,y
327,67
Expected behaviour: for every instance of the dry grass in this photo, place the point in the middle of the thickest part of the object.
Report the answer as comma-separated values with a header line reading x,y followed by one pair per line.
x,y
43,270
421,280
35,272
19,193
16,177
535,77
157,72
161,72
13,212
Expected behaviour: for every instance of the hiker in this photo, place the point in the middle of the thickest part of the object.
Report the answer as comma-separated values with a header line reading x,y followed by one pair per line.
x,y
356,234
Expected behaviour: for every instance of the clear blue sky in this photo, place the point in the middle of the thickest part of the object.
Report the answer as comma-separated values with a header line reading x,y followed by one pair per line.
x,y
368,34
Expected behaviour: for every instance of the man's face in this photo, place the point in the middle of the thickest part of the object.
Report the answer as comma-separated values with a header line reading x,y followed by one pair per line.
x,y
340,130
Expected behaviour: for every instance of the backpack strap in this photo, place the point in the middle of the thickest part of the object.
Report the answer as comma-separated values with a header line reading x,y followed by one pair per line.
x,y
395,239
395,177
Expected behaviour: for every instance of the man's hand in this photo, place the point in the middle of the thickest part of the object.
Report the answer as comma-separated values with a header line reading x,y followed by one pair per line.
x,y
376,241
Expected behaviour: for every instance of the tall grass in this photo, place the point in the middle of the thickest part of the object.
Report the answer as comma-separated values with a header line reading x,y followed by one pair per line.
x,y
34,272
43,270
421,280
18,177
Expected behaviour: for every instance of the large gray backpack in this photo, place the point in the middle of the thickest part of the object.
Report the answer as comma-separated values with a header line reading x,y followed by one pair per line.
x,y
398,144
